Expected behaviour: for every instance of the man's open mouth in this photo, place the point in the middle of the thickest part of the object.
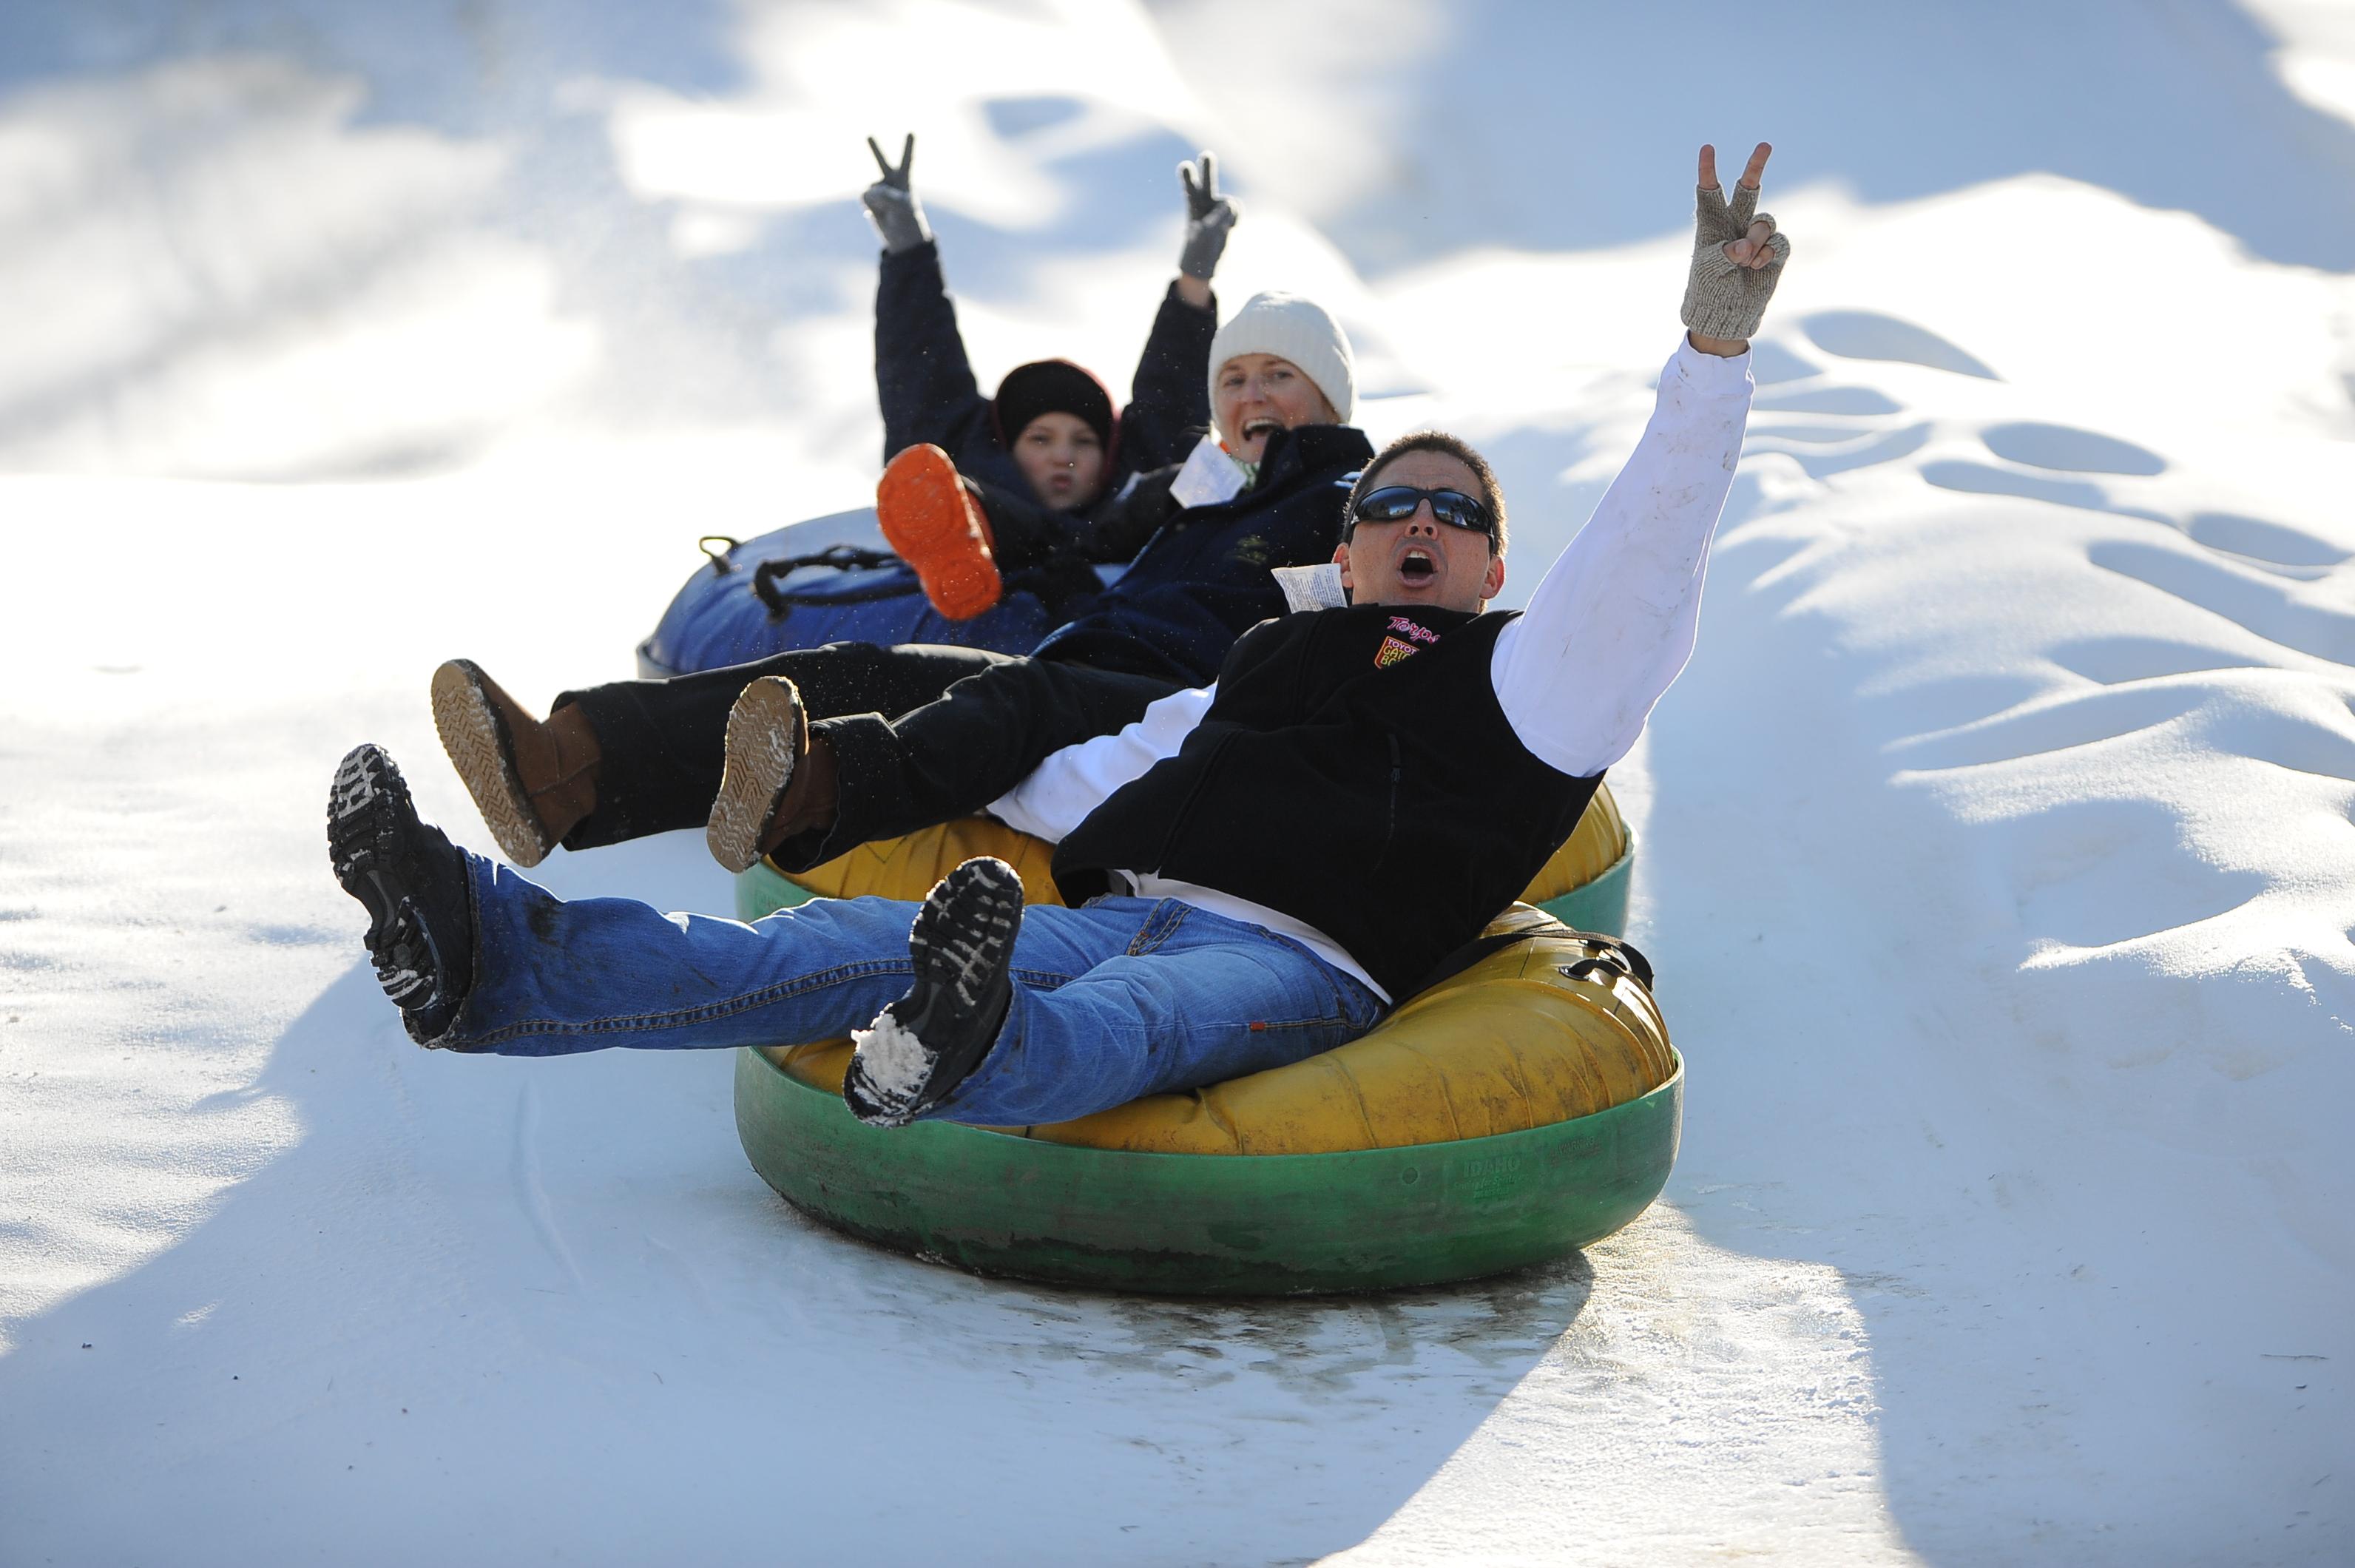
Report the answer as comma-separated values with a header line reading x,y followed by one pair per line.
x,y
1417,568
1254,429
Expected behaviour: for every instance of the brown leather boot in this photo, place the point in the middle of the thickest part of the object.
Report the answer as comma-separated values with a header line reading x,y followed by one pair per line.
x,y
928,515
532,780
773,782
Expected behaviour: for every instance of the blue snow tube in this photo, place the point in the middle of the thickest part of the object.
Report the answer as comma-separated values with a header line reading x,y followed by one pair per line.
x,y
829,579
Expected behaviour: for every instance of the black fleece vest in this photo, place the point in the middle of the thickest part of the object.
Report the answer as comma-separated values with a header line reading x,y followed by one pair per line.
x,y
1354,772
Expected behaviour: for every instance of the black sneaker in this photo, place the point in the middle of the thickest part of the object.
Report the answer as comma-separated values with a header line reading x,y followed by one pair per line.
x,y
922,1046
414,885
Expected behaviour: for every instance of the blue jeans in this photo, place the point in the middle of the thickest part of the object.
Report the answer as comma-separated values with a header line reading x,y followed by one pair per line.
x,y
1123,998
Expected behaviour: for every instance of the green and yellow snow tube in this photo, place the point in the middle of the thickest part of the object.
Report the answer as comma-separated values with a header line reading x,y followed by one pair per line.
x,y
1512,1113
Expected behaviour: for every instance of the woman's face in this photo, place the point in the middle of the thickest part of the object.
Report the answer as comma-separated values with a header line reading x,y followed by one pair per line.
x,y
1258,394
1059,455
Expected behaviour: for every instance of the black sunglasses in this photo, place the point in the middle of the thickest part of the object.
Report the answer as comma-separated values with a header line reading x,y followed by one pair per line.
x,y
1396,503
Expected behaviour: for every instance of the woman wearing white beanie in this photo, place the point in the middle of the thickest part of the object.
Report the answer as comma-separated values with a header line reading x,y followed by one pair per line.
x,y
1280,362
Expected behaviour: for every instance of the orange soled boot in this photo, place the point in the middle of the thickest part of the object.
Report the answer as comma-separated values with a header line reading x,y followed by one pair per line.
x,y
937,528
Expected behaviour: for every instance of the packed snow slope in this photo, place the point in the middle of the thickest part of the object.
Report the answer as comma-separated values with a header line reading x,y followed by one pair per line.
x,y
1996,849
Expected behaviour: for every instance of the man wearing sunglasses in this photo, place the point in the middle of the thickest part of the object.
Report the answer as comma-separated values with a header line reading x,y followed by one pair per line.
x,y
1254,870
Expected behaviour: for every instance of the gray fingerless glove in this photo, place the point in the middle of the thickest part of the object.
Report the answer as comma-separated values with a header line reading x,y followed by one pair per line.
x,y
1209,217
1723,298
891,202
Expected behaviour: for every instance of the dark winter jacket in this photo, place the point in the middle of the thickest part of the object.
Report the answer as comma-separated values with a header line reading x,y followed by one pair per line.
x,y
1355,771
1203,578
925,383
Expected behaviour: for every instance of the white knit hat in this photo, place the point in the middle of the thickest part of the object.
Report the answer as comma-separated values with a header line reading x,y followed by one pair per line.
x,y
1297,329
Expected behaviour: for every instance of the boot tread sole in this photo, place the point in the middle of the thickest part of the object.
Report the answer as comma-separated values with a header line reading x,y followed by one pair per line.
x,y
481,749
758,763
962,939
925,515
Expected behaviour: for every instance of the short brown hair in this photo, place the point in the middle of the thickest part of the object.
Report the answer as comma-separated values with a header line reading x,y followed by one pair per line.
x,y
1491,493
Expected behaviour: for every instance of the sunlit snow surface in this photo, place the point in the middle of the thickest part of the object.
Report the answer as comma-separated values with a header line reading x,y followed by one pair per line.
x,y
1996,847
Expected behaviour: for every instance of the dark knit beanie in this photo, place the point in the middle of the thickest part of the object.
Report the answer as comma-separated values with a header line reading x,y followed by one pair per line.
x,y
1052,387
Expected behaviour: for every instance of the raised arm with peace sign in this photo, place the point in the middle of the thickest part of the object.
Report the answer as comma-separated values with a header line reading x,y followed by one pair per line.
x,y
1737,260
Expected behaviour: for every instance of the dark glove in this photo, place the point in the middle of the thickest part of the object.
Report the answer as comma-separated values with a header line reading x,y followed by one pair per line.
x,y
1209,217
898,216
1725,298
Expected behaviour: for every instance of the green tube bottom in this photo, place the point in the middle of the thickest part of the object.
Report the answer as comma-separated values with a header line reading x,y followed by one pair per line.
x,y
1186,1224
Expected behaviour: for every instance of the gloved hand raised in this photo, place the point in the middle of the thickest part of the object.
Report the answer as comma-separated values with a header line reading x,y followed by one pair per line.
x,y
898,216
1209,217
1737,255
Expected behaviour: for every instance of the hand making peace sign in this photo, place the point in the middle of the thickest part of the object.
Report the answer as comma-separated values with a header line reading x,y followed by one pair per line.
x,y
1738,256
892,201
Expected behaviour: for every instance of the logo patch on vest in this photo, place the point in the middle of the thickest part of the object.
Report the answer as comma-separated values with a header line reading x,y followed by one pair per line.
x,y
1401,643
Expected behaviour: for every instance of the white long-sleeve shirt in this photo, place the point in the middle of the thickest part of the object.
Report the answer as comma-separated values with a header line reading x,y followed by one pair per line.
x,y
1576,673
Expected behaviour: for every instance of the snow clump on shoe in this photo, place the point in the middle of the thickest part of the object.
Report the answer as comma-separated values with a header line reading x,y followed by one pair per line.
x,y
921,1047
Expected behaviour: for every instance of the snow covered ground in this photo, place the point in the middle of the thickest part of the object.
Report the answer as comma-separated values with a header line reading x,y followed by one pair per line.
x,y
1997,846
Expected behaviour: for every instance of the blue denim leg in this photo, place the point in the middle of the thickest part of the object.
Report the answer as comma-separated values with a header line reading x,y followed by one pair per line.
x,y
1124,997
553,977
1176,997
